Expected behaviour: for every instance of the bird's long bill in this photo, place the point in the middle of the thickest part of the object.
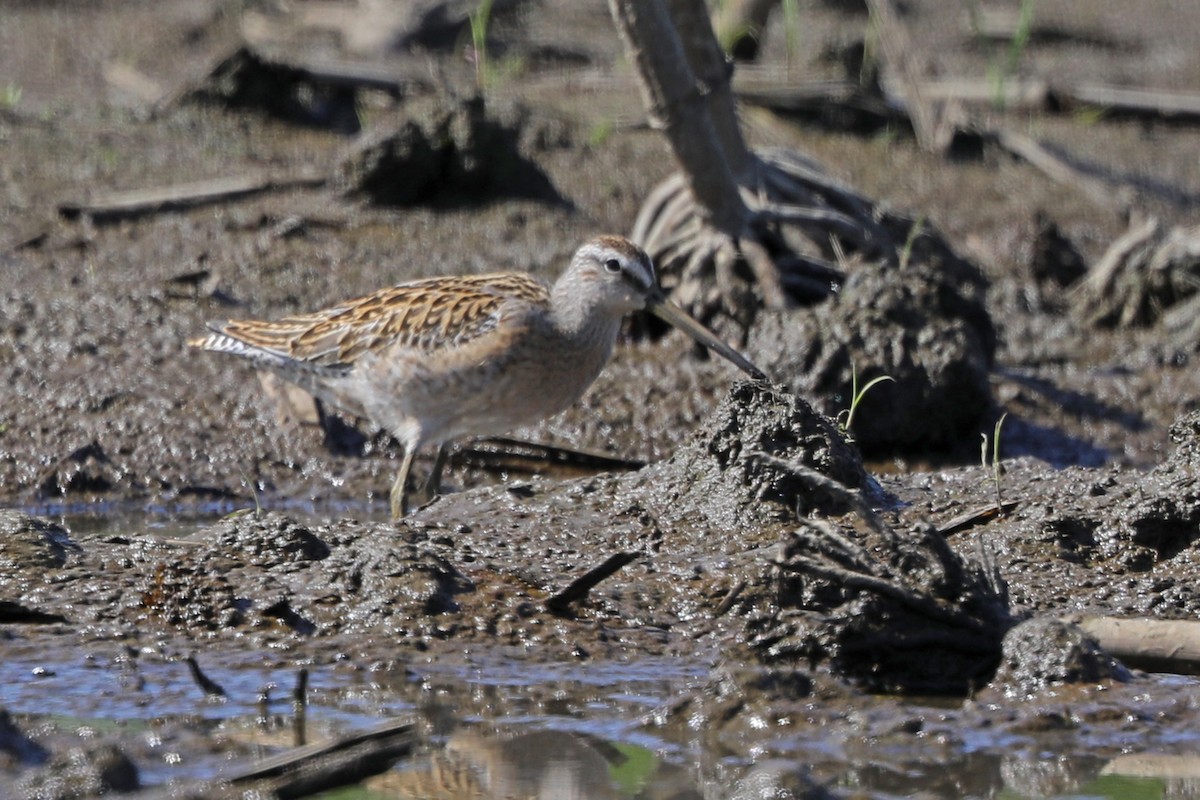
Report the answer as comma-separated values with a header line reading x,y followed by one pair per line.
x,y
665,310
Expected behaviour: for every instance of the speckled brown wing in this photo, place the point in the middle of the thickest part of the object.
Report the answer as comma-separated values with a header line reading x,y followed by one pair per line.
x,y
425,315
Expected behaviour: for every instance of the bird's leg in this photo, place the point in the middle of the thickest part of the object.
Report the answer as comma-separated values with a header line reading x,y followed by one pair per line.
x,y
399,494
433,484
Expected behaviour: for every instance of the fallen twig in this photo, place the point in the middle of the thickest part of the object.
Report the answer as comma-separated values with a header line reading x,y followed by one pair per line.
x,y
578,589
1011,93
840,105
300,708
729,599
316,768
113,206
1055,166
976,516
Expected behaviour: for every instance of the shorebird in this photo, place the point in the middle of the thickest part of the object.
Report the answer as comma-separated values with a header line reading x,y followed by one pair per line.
x,y
437,359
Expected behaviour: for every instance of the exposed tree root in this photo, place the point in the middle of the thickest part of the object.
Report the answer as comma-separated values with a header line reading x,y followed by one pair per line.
x,y
801,227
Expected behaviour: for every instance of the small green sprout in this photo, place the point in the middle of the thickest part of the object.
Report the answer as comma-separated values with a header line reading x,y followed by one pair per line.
x,y
845,417
997,471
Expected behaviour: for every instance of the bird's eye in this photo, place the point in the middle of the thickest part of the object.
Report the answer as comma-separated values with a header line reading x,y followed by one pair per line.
x,y
613,266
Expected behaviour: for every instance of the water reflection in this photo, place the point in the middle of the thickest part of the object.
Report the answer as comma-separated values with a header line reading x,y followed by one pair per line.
x,y
538,764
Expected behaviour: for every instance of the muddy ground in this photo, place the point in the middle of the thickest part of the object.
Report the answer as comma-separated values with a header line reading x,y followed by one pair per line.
x,y
728,575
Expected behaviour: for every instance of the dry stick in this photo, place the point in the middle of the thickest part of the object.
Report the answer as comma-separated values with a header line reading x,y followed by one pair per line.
x,y
1101,279
1015,93
579,588
113,206
765,273
933,123
729,599
976,516
820,99
1038,93
1032,151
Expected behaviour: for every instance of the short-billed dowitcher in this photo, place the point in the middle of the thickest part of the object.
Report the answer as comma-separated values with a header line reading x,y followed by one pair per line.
x,y
436,359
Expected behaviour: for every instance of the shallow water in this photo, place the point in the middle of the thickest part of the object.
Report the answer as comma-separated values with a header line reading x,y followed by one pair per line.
x,y
547,728
508,722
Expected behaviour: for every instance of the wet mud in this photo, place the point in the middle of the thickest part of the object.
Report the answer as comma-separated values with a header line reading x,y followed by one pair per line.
x,y
695,583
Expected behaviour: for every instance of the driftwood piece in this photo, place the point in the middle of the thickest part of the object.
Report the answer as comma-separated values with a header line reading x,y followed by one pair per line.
x,y
114,206
670,92
726,226
1153,645
834,105
844,106
714,75
1012,93
976,516
1039,93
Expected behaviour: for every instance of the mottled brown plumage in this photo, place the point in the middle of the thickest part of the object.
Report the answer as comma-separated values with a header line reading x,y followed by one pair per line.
x,y
439,358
